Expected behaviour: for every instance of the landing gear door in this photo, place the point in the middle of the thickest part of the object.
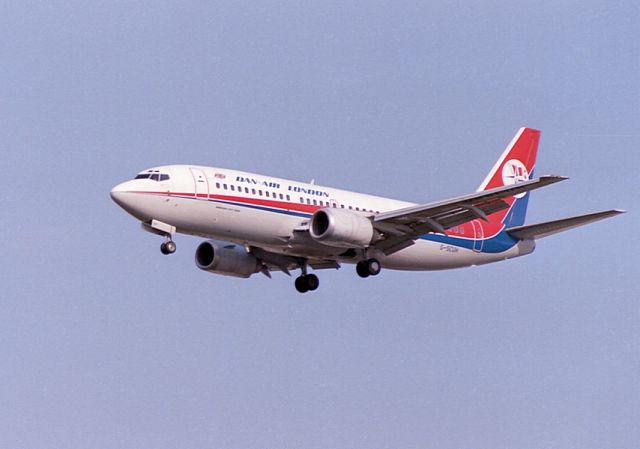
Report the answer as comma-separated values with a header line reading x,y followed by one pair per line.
x,y
478,232
201,183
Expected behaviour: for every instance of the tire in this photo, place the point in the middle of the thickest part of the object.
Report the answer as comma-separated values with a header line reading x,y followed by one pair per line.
x,y
171,246
301,284
163,249
374,267
312,282
362,269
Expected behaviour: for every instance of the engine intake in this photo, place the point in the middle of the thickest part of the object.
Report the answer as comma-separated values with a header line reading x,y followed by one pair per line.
x,y
227,259
341,228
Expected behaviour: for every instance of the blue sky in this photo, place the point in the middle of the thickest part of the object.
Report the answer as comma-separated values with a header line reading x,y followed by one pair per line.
x,y
105,343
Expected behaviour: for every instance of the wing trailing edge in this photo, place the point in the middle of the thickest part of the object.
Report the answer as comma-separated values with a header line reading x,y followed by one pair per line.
x,y
547,228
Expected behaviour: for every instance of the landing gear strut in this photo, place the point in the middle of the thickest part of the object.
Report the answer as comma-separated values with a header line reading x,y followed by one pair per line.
x,y
306,282
369,267
168,247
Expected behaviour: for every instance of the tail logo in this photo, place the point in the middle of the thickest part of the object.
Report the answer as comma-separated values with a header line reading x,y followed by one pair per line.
x,y
514,172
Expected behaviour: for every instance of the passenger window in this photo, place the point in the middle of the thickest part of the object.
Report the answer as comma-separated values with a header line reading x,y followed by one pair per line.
x,y
289,198
281,196
233,188
246,190
260,192
217,185
225,186
342,206
253,191
308,201
266,193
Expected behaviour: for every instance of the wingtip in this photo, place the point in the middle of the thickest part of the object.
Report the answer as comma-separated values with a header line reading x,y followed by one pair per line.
x,y
554,178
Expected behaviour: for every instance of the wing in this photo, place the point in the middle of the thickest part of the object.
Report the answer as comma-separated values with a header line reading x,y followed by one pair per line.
x,y
540,230
279,262
400,228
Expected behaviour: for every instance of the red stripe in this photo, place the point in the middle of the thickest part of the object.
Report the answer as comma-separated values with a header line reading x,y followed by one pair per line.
x,y
297,207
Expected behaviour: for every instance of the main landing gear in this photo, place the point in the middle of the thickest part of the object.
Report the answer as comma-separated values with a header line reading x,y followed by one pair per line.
x,y
369,267
306,282
310,282
168,247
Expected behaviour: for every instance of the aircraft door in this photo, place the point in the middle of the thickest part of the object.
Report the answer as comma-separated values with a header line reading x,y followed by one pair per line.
x,y
478,232
201,183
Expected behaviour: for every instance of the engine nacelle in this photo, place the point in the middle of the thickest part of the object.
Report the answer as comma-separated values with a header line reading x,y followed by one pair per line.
x,y
227,259
341,228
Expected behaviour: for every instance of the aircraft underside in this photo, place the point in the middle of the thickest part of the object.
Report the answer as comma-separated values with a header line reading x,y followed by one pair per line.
x,y
277,248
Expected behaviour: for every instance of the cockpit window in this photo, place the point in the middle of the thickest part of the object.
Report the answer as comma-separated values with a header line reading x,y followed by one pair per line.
x,y
153,175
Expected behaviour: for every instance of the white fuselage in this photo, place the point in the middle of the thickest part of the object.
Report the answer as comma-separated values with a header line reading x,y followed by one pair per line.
x,y
271,213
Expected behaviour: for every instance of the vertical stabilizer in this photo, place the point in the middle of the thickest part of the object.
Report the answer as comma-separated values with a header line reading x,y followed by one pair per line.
x,y
516,164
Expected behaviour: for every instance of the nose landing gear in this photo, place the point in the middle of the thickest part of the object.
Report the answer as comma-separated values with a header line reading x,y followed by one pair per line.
x,y
168,247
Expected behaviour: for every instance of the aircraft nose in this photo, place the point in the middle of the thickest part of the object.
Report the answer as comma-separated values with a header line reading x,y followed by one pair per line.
x,y
128,197
122,196
118,193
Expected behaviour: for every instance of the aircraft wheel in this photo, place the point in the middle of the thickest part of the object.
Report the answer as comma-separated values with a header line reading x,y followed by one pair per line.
x,y
362,269
301,284
374,267
168,247
312,282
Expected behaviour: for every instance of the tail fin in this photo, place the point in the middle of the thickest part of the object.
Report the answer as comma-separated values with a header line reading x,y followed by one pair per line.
x,y
516,164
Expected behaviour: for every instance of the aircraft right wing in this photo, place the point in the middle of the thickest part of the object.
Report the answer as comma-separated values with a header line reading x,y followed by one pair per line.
x,y
540,230
400,228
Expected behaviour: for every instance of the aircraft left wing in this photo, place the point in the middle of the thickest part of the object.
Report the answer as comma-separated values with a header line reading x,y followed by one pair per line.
x,y
403,226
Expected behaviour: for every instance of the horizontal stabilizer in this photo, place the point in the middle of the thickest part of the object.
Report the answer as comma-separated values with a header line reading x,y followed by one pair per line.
x,y
540,230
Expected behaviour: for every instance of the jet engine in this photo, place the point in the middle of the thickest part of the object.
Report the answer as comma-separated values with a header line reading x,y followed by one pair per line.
x,y
227,259
341,228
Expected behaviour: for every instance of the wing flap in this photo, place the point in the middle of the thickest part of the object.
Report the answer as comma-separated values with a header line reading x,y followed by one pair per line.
x,y
545,229
401,227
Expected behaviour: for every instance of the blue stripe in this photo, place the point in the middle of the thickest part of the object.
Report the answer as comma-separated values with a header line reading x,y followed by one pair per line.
x,y
496,244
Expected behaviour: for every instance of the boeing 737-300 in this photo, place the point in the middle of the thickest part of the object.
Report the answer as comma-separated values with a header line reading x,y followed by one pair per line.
x,y
261,224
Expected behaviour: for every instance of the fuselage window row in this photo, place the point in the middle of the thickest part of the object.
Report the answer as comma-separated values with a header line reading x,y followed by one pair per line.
x,y
281,196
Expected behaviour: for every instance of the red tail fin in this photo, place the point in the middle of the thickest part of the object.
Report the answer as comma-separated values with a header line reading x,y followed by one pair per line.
x,y
516,162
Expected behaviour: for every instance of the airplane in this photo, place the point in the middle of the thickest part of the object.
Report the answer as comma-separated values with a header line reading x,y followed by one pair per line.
x,y
260,224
